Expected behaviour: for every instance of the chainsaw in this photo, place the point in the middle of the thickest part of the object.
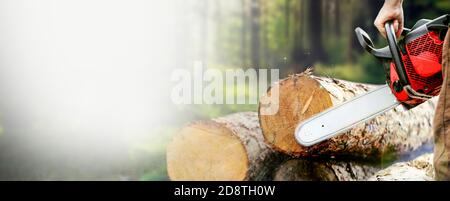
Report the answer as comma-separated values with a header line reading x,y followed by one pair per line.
x,y
413,75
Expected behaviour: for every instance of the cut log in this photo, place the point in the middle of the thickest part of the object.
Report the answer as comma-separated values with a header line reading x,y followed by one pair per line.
x,y
419,169
233,148
301,96
324,170
226,148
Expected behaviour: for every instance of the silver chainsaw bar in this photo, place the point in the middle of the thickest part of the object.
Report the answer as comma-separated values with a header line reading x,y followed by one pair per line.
x,y
341,118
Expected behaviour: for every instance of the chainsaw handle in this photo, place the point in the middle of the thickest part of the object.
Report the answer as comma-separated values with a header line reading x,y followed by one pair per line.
x,y
365,41
395,52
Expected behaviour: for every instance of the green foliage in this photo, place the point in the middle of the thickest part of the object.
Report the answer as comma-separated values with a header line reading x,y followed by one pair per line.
x,y
369,71
334,51
205,111
343,71
155,175
229,53
148,154
372,68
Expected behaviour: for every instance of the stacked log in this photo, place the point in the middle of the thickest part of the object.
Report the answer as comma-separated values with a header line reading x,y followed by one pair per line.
x,y
226,148
252,146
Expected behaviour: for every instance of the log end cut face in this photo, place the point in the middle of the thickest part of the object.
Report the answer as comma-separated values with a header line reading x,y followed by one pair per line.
x,y
206,151
300,98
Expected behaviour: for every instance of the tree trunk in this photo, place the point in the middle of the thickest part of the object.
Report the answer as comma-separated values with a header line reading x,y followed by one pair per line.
x,y
298,49
301,96
326,12
337,18
226,148
315,31
204,32
219,30
265,35
254,30
372,11
287,16
243,33
325,170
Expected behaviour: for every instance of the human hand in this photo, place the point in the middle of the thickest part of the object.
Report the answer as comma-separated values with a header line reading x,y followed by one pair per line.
x,y
391,10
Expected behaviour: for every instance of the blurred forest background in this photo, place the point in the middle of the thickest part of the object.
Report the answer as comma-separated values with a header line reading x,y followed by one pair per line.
x,y
289,35
294,34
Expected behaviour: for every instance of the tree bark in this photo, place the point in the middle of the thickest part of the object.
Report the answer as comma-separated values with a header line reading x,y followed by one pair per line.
x,y
255,31
315,31
324,170
337,18
243,33
287,16
226,148
299,41
419,169
204,32
389,135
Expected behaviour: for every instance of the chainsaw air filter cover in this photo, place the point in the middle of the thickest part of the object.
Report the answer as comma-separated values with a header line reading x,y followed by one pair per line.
x,y
425,54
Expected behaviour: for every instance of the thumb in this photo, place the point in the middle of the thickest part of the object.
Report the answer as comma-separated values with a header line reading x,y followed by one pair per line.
x,y
395,24
397,28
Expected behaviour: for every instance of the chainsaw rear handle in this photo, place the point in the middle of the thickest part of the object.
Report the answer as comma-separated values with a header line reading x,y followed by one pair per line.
x,y
395,53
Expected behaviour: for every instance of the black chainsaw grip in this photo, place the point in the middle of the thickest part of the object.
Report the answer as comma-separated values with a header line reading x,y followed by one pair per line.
x,y
395,52
366,42
364,39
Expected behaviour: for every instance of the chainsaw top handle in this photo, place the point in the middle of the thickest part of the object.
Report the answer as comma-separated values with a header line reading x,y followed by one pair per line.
x,y
395,53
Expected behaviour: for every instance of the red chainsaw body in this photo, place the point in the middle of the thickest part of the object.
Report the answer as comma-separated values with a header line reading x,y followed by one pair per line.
x,y
422,59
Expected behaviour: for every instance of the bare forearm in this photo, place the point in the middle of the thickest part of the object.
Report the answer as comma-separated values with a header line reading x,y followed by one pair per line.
x,y
393,3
